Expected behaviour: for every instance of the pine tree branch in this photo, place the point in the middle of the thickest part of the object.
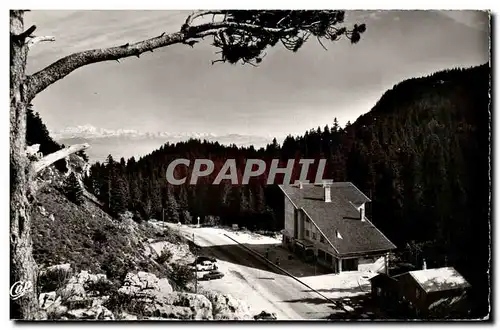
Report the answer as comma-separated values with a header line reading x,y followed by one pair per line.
x,y
61,68
201,13
40,80
55,156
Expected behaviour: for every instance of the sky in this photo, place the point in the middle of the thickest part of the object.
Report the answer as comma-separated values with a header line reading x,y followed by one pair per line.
x,y
177,89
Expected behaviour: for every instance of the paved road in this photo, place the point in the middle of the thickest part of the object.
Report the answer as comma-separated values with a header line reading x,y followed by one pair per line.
x,y
261,289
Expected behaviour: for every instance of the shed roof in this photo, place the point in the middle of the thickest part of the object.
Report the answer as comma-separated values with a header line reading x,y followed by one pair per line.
x,y
438,279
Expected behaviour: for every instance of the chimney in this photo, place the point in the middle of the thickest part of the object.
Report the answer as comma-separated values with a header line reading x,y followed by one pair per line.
x,y
424,265
328,196
362,213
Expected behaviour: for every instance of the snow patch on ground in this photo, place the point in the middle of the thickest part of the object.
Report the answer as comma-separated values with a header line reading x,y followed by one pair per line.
x,y
347,284
180,252
244,237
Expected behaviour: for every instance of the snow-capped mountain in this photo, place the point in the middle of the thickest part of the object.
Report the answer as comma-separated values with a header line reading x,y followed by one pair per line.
x,y
92,132
127,142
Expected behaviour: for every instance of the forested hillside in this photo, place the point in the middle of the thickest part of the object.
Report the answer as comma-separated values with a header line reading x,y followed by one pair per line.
x,y
421,154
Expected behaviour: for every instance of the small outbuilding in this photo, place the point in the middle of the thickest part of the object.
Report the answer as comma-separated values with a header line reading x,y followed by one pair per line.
x,y
384,288
432,291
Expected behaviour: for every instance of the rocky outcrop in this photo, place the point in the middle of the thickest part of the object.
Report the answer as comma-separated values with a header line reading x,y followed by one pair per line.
x,y
179,305
145,283
87,296
226,307
75,299
93,313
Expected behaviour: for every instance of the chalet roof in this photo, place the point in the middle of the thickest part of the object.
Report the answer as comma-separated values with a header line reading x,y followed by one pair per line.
x,y
438,279
340,216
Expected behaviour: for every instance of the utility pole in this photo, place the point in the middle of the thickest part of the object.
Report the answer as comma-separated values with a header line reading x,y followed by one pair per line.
x,y
195,270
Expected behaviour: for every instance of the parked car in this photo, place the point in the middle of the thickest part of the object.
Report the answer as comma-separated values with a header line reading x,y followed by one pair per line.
x,y
265,316
206,265
212,275
200,259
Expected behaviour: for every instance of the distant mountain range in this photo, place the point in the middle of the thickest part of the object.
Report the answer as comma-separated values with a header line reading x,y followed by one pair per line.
x,y
127,143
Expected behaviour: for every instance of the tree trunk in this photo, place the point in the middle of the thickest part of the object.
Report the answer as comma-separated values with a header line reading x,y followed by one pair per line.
x,y
23,266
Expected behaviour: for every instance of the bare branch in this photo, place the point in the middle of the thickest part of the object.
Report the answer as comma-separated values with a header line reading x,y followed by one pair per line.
x,y
201,13
33,41
20,38
248,62
241,26
61,68
319,40
55,156
219,60
281,20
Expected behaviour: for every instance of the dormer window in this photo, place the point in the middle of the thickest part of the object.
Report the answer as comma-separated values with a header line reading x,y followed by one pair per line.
x,y
337,233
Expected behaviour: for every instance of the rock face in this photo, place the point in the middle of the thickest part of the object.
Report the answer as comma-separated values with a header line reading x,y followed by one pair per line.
x,y
226,307
77,292
93,313
144,282
74,300
159,300
142,296
179,305
46,299
84,278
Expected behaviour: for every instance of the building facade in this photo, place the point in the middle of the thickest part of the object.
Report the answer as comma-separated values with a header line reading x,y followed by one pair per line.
x,y
327,223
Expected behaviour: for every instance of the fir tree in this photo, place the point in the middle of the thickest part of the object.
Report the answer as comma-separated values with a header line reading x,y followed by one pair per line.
x,y
73,190
172,209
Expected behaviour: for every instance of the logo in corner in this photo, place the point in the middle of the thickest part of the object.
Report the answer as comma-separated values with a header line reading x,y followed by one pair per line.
x,y
19,289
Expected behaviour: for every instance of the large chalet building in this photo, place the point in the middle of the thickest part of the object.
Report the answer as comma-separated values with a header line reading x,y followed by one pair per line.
x,y
327,222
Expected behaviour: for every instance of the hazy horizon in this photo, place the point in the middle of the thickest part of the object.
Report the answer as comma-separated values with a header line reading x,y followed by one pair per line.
x,y
177,90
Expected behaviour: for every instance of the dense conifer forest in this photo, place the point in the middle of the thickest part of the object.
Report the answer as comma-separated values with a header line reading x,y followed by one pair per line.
x,y
422,154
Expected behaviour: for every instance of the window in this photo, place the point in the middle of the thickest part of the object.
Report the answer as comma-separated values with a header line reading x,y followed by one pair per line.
x,y
417,293
379,292
322,239
314,236
329,257
307,233
321,254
